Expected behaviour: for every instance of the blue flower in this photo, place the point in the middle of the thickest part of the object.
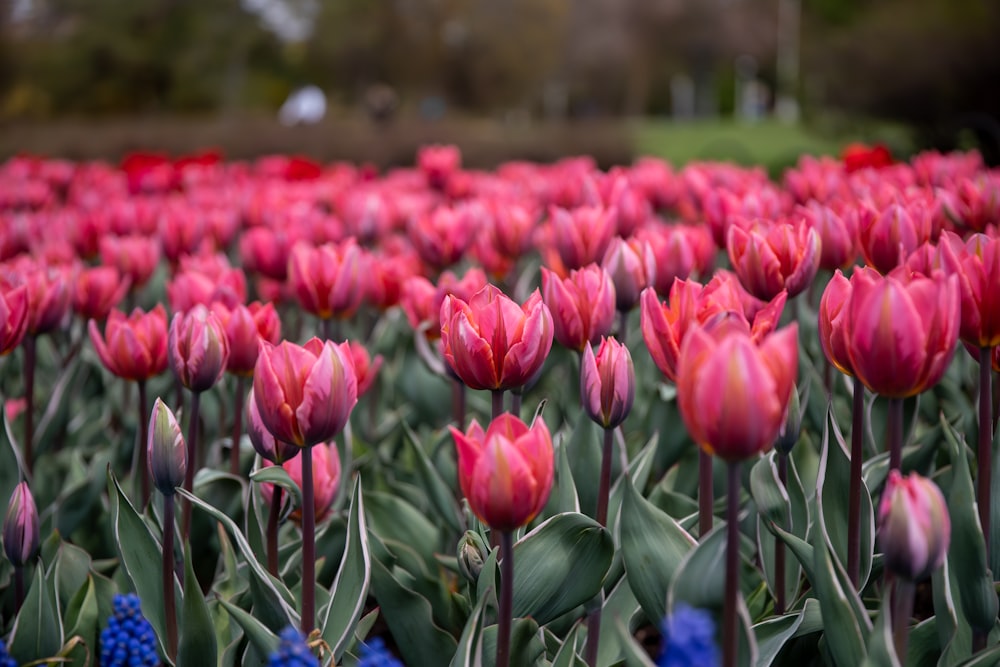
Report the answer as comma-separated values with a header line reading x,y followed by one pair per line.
x,y
375,654
5,659
129,640
689,639
292,651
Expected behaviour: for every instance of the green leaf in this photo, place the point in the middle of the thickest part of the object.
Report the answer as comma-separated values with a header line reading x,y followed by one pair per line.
x,y
72,568
526,647
267,590
774,633
392,517
470,644
142,559
987,658
197,633
408,615
620,607
584,451
258,634
546,587
635,655
975,590
567,655
83,616
350,588
38,628
564,497
881,647
653,546
780,505
954,638
279,476
441,495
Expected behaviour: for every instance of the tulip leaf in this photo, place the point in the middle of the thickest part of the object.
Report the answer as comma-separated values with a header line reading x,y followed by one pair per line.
x,y
141,557
564,497
470,644
197,632
409,617
526,647
639,470
390,516
954,638
833,486
84,621
881,647
620,607
781,505
350,588
71,569
977,596
773,633
276,601
584,450
652,545
567,655
987,658
635,654
546,587
38,628
260,637
441,495
278,476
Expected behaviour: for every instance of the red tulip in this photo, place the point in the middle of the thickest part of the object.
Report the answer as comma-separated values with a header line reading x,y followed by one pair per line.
x,y
135,257
304,394
979,287
632,267
327,281
680,251
771,257
135,347
245,327
326,479
197,348
191,287
493,343
733,393
13,316
97,291
607,383
47,289
582,305
506,472
888,235
838,235
902,330
438,164
441,236
834,321
581,236
914,528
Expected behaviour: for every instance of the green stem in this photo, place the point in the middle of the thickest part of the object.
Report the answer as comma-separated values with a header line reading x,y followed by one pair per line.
x,y
779,546
732,589
705,493
192,457
272,530
854,494
143,471
984,455
308,544
167,568
506,598
604,484
234,452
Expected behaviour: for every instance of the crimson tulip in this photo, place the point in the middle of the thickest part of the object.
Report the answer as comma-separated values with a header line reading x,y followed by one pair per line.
x,y
582,305
914,526
13,317
770,257
97,290
133,347
245,327
327,281
197,348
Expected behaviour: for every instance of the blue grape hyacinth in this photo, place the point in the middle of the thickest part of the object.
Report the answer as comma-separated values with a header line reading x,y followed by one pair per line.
x,y
5,659
292,651
129,640
375,654
689,639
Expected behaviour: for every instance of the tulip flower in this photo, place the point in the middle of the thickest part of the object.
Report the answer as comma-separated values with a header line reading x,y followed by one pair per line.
x,y
581,236
582,305
266,251
191,287
493,343
167,452
680,251
439,163
13,317
97,291
182,230
888,235
421,299
632,267
198,348
134,348
365,366
838,235
20,536
607,383
914,532
771,257
135,257
327,281
264,443
326,479
441,236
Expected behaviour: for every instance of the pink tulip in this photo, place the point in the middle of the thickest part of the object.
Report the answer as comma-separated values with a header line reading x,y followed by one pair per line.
x,y
327,281
632,267
197,348
914,526
582,305
134,348
607,383
771,257
21,535
13,316
97,291
326,479
245,327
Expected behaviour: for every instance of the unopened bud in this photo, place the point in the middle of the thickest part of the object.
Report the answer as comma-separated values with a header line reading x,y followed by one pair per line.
x,y
166,449
20,527
914,527
471,555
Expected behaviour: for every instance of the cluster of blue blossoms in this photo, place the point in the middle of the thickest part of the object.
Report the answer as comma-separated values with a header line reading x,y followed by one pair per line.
x,y
5,659
688,639
129,640
375,654
292,651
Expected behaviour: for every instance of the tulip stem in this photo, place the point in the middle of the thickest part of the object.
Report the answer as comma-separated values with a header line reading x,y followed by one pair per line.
x,y
18,588
192,457
984,456
234,452
308,544
458,403
515,404
604,485
497,403
622,326
779,545
143,471
272,531
854,499
732,590
705,492
895,433
506,598
29,401
594,631
902,610
168,575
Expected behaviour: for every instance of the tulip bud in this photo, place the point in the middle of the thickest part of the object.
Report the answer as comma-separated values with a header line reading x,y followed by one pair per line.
x,y
167,451
263,442
914,526
792,428
20,527
607,383
198,349
472,554
632,267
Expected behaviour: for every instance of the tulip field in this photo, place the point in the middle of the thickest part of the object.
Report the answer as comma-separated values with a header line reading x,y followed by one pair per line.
x,y
286,413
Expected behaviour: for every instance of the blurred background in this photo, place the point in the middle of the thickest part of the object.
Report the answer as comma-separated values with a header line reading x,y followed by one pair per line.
x,y
756,81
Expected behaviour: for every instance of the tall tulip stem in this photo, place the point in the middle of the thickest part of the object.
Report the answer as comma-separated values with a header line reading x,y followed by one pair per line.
x,y
622,326
497,403
272,530
705,499
895,433
143,471
506,598
603,491
854,498
515,403
192,462
308,544
234,452
779,546
29,401
903,599
732,590
167,568
984,455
